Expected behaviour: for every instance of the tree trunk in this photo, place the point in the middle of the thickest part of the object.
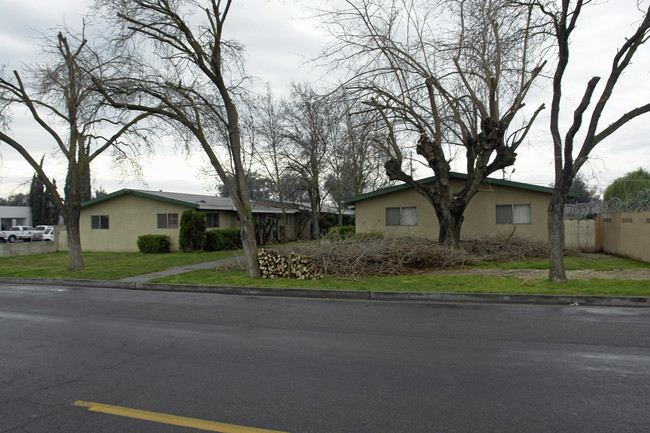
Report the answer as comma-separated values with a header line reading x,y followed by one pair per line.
x,y
315,225
557,273
249,245
450,227
315,214
74,238
285,235
72,216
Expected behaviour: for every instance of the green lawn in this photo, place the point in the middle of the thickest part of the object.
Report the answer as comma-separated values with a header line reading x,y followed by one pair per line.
x,y
594,262
114,266
102,266
425,283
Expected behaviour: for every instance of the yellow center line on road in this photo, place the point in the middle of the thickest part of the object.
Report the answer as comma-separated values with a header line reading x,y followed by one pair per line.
x,y
170,419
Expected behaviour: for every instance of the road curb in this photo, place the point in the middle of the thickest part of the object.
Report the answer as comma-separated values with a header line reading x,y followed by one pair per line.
x,y
451,297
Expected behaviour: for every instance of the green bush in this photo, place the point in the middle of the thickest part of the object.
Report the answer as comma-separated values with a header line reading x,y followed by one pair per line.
x,y
223,239
368,236
154,244
328,221
192,234
340,232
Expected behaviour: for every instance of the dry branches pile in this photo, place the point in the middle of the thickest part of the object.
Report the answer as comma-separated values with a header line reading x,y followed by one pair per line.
x,y
504,248
384,256
388,256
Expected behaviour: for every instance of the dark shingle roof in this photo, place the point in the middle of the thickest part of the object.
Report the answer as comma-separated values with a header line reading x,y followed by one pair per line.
x,y
194,201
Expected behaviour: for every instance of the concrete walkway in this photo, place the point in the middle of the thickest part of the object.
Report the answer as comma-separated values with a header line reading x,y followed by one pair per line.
x,y
177,270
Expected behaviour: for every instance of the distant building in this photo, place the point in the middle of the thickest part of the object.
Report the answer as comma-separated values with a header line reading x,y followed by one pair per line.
x,y
15,216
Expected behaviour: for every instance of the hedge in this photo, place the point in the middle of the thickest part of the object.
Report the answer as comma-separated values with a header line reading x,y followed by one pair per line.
x,y
223,239
154,244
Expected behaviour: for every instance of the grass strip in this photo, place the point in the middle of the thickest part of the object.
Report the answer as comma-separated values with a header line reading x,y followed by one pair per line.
x,y
103,266
593,262
424,283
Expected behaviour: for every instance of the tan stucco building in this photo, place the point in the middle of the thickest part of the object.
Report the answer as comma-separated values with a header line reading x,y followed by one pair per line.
x,y
497,209
114,222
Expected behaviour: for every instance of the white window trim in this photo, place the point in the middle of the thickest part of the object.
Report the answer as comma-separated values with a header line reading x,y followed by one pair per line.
x,y
167,221
100,219
527,215
404,215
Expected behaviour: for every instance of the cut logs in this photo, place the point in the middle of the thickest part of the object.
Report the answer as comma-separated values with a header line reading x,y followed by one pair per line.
x,y
275,265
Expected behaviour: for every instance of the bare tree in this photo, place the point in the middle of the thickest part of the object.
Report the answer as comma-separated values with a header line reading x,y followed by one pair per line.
x,y
270,149
195,85
62,100
309,129
450,75
568,159
355,164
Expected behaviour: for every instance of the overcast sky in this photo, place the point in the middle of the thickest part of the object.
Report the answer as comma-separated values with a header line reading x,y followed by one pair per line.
x,y
278,41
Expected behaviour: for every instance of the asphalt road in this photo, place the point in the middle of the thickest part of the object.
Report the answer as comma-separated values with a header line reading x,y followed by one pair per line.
x,y
316,366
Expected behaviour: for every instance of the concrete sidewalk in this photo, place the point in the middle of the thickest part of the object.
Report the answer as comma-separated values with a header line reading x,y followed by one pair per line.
x,y
177,270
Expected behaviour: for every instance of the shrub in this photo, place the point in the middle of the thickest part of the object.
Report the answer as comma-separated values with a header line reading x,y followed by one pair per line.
x,y
340,232
223,239
154,244
368,236
329,221
192,234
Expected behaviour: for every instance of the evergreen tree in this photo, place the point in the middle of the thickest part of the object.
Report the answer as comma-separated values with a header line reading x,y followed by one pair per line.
x,y
51,212
42,204
35,200
192,234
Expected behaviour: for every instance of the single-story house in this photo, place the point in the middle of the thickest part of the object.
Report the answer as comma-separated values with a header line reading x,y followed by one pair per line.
x,y
113,222
498,208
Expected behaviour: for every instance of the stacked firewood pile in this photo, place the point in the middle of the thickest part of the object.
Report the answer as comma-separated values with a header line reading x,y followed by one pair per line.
x,y
275,265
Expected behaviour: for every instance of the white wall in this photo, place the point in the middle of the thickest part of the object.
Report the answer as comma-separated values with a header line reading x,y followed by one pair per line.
x,y
15,216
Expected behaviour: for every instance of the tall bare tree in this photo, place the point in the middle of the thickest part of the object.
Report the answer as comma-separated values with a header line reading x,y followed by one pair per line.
x,y
449,75
309,130
194,85
270,150
355,164
62,100
568,158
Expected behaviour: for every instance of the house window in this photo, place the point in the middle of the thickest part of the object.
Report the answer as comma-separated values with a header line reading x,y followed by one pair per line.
x,y
167,220
401,216
513,214
212,220
99,221
288,219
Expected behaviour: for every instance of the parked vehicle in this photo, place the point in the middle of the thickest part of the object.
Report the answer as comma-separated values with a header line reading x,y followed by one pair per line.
x,y
47,232
24,233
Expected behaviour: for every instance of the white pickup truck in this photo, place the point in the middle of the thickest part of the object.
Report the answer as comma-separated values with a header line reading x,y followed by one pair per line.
x,y
25,233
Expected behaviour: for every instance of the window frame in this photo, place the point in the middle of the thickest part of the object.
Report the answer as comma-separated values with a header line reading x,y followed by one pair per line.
x,y
99,222
209,220
512,216
169,221
403,216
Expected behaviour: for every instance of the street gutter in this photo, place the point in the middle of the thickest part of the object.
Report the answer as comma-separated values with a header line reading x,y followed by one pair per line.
x,y
391,296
